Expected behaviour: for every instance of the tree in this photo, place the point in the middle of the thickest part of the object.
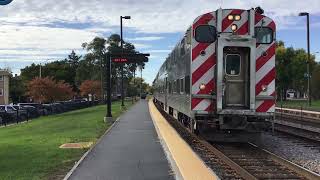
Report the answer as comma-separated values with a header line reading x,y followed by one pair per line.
x,y
63,91
291,65
97,49
48,90
315,82
90,87
73,60
17,89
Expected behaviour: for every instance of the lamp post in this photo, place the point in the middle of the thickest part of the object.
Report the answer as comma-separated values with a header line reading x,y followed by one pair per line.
x,y
121,41
140,80
308,49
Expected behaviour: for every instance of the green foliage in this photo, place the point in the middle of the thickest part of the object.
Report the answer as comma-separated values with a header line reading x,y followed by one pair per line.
x,y
291,66
17,89
76,69
315,81
134,86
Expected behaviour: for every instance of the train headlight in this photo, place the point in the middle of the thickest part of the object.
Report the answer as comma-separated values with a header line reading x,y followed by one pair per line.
x,y
234,27
264,88
237,17
230,17
202,87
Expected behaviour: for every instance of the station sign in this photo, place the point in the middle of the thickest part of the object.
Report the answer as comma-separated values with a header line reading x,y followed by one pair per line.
x,y
129,58
5,2
119,60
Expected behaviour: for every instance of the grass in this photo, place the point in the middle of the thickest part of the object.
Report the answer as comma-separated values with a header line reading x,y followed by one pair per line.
x,y
31,151
298,104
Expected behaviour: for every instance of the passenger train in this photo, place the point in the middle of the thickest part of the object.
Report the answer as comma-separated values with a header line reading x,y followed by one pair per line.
x,y
219,80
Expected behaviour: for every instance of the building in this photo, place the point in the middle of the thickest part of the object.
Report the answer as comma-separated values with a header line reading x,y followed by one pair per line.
x,y
4,86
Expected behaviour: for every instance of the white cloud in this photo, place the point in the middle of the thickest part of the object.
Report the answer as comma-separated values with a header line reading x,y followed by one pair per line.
x,y
146,38
23,42
147,15
32,24
141,46
160,51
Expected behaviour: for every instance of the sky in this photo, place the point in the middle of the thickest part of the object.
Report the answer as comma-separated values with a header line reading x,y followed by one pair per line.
x,y
40,31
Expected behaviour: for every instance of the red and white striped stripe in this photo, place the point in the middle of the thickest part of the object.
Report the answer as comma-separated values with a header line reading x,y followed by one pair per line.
x,y
242,24
265,67
202,66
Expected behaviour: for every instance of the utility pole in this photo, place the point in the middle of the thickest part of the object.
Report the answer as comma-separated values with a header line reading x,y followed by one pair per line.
x,y
108,79
141,81
40,71
308,49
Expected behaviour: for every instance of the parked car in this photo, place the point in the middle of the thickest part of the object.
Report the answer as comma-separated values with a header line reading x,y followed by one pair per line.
x,y
14,114
32,111
50,108
41,110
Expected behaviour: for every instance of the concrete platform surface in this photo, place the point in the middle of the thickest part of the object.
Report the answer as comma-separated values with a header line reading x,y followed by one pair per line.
x,y
130,151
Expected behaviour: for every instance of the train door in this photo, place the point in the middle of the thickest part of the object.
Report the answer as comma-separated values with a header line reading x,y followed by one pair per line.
x,y
236,78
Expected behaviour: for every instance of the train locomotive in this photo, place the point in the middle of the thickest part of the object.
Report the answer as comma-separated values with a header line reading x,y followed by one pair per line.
x,y
219,80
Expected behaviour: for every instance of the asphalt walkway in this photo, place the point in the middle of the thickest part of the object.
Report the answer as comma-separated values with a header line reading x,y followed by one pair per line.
x,y
130,151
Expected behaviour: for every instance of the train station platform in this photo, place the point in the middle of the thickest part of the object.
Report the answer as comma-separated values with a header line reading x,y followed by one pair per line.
x,y
141,145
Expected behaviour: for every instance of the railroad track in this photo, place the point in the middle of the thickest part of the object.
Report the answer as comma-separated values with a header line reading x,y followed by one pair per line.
x,y
244,161
310,135
300,123
256,163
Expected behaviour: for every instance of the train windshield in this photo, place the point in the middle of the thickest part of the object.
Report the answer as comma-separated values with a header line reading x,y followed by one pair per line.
x,y
205,34
264,35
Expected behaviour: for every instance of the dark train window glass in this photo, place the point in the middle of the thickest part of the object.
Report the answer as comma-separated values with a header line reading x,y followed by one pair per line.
x,y
233,64
264,35
181,86
187,84
178,86
205,34
182,50
166,83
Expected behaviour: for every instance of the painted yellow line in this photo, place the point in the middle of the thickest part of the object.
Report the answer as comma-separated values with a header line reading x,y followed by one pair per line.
x,y
191,167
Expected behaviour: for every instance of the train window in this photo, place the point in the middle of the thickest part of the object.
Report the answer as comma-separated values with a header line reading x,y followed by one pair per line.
x,y
187,84
181,86
233,64
205,34
182,50
264,35
166,83
178,86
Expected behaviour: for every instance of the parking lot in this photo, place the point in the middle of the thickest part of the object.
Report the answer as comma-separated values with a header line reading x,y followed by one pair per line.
x,y
20,112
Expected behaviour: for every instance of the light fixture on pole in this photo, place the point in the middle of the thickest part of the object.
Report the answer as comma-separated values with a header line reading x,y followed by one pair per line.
x,y
121,42
308,49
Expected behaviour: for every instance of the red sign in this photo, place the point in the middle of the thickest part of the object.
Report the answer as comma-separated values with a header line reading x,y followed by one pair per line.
x,y
120,60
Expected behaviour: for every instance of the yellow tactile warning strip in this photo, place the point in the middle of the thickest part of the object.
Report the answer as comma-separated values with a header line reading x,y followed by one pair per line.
x,y
81,145
190,166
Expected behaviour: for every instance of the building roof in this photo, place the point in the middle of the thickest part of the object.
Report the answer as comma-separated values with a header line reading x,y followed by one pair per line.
x,y
4,72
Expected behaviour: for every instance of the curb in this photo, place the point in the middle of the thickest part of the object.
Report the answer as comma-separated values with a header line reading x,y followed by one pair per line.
x,y
86,154
172,162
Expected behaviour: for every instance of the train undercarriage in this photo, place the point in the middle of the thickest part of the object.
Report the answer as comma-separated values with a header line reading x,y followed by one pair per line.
x,y
222,128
